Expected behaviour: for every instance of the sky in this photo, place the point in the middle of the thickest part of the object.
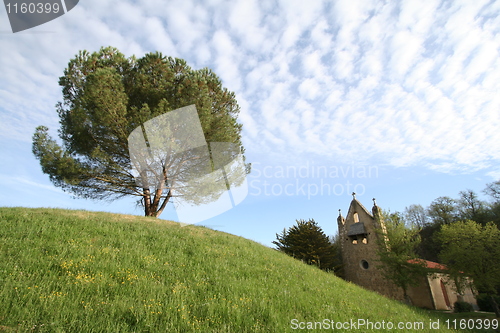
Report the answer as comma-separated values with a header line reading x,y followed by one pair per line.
x,y
393,100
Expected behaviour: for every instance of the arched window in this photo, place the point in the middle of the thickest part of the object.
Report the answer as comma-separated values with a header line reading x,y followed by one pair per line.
x,y
356,218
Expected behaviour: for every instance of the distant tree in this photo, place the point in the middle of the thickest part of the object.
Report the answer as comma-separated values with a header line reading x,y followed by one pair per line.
x,y
398,259
493,189
493,212
493,208
306,241
429,248
105,97
471,208
443,210
474,250
415,216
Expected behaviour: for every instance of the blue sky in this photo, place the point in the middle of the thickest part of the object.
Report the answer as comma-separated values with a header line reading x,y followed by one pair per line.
x,y
395,100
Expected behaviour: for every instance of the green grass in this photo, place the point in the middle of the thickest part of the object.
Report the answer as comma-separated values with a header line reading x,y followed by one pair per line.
x,y
467,315
79,271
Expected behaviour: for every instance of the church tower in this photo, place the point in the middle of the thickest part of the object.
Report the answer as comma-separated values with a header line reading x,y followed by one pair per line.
x,y
359,246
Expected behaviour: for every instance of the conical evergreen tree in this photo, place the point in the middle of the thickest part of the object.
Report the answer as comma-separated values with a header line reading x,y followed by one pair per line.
x,y
306,241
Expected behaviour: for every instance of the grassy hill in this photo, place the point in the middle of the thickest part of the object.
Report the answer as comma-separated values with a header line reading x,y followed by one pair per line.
x,y
79,271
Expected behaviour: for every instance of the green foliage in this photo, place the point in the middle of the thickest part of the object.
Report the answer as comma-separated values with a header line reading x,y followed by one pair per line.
x,y
79,271
443,210
471,208
415,216
474,250
429,248
464,234
338,264
484,302
459,307
62,169
397,244
306,241
493,209
106,96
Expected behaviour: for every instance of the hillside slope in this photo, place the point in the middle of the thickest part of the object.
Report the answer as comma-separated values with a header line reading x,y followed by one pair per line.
x,y
79,271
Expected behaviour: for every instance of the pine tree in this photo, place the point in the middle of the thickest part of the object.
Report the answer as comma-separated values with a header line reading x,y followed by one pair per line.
x,y
105,97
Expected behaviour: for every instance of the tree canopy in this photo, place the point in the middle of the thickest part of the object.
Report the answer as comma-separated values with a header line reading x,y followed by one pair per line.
x,y
474,250
445,210
105,97
306,241
463,234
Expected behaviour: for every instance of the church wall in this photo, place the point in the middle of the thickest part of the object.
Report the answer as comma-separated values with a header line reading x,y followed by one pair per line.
x,y
439,297
469,297
359,248
421,295
361,260
435,282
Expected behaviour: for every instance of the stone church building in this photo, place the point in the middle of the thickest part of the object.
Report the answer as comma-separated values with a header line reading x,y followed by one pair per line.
x,y
357,232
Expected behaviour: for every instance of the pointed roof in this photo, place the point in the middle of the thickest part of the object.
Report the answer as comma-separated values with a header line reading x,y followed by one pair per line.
x,y
356,202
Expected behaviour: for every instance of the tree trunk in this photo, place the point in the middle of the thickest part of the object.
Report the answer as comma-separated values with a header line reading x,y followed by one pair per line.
x,y
151,206
153,209
165,201
406,298
156,202
147,202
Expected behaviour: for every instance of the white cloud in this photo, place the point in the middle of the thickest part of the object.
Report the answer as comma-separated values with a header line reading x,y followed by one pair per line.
x,y
17,181
309,89
344,64
407,83
158,38
227,60
405,50
245,20
321,36
417,16
482,60
290,36
313,66
495,174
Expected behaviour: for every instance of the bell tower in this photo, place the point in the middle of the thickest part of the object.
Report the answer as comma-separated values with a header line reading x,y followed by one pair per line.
x,y
359,246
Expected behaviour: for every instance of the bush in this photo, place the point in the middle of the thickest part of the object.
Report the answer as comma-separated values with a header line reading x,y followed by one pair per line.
x,y
484,302
463,307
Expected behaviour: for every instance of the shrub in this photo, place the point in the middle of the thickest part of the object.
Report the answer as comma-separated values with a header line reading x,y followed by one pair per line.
x,y
463,307
484,302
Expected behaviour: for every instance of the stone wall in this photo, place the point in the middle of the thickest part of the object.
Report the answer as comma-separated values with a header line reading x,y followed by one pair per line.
x,y
421,295
359,251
